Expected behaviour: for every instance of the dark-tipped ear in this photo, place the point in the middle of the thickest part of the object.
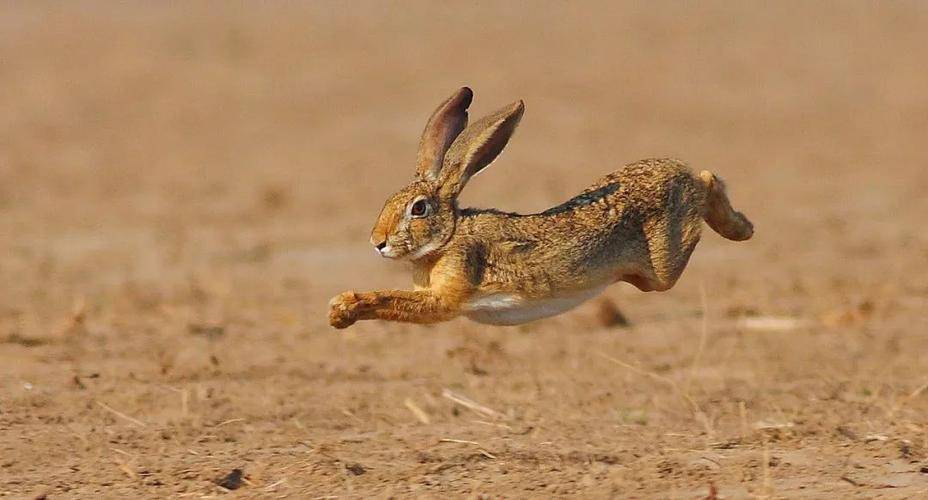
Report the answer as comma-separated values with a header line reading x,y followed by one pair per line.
x,y
478,146
448,120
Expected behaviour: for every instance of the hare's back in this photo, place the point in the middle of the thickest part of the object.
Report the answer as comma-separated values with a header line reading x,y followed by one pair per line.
x,y
646,182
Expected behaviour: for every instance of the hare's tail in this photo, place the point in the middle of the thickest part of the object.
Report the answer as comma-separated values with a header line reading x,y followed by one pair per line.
x,y
719,214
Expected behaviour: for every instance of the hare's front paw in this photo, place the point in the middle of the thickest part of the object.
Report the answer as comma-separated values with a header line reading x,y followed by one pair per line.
x,y
343,310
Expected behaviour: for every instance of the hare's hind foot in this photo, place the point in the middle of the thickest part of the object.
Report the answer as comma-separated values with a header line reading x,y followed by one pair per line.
x,y
720,215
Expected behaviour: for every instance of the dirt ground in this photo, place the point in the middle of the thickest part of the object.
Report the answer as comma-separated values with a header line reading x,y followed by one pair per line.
x,y
182,189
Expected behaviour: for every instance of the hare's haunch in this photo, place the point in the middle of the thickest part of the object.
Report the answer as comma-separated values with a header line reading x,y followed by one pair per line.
x,y
638,224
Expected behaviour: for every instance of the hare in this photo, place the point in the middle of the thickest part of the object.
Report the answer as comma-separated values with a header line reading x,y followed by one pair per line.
x,y
638,224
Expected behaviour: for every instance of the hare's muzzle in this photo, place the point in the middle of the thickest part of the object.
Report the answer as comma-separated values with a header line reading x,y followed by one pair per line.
x,y
382,248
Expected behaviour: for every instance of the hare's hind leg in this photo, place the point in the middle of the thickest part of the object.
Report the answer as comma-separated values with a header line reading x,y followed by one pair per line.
x,y
671,240
720,216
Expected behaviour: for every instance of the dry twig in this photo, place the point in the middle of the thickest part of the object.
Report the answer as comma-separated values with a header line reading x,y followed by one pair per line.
x,y
471,404
418,412
120,414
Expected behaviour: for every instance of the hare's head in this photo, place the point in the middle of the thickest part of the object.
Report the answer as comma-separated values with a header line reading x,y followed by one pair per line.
x,y
420,218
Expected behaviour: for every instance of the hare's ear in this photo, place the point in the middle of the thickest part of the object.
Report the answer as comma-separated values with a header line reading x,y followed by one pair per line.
x,y
478,146
446,123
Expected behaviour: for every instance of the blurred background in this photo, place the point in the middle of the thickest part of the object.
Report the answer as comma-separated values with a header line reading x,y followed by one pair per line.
x,y
184,186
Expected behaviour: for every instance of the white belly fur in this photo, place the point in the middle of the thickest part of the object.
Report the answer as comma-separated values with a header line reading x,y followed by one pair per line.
x,y
513,309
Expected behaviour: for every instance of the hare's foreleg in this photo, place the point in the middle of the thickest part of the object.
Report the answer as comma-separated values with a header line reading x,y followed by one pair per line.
x,y
421,306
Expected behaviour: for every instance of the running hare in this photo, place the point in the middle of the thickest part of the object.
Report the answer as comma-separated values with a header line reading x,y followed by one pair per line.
x,y
638,224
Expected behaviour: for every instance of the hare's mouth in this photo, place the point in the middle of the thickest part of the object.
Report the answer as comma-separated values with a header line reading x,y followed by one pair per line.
x,y
389,251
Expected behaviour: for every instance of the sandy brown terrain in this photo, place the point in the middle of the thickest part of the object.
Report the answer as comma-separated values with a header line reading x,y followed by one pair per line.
x,y
182,191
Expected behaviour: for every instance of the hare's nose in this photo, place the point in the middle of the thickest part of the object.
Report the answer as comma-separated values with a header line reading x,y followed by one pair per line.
x,y
380,246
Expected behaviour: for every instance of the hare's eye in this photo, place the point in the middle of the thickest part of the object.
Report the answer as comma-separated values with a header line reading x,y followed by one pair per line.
x,y
419,209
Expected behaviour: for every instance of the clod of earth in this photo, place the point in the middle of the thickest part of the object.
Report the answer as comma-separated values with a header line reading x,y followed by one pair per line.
x,y
356,469
233,480
609,315
211,332
15,338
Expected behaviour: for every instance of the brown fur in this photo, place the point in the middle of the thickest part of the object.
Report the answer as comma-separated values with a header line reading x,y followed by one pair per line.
x,y
639,224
